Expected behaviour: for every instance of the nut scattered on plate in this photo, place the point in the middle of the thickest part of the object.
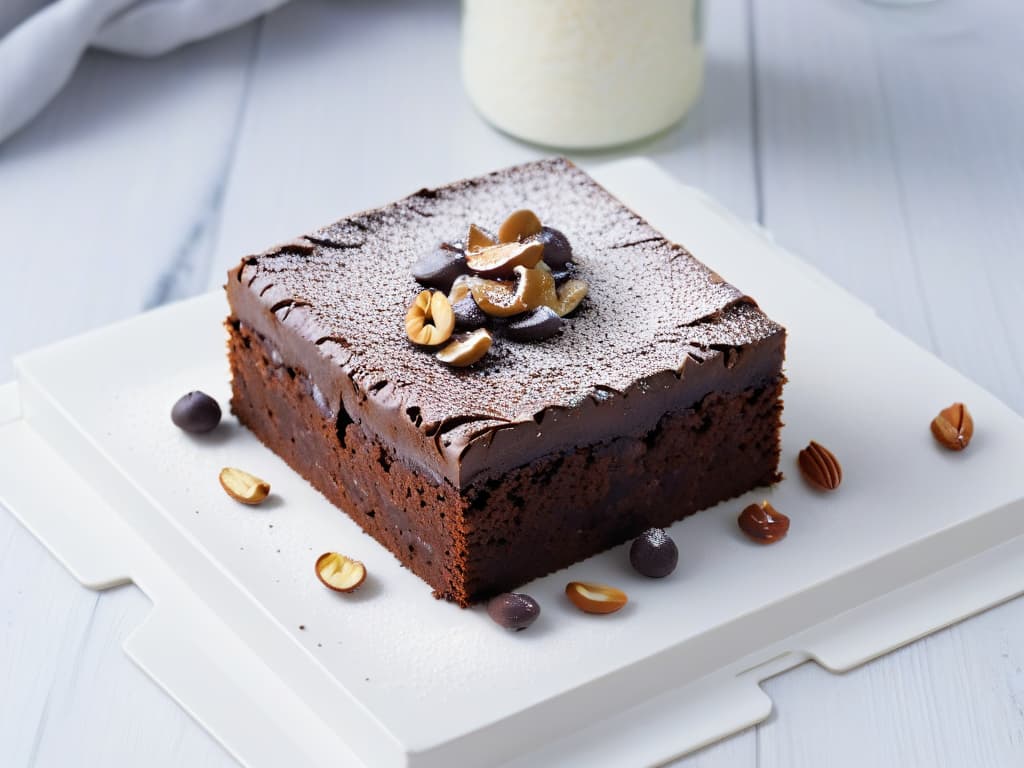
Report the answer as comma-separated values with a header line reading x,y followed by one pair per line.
x,y
243,487
953,428
340,573
595,598
819,467
763,523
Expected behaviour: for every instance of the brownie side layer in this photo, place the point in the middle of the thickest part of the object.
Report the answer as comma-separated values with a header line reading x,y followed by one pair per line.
x,y
563,508
499,533
411,516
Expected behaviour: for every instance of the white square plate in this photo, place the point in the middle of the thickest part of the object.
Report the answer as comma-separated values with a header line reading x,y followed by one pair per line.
x,y
278,667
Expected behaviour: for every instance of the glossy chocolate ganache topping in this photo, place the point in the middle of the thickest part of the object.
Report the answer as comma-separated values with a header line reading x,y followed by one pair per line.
x,y
656,332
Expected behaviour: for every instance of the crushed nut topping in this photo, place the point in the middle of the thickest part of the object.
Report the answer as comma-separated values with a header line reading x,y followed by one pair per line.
x,y
467,350
518,284
430,320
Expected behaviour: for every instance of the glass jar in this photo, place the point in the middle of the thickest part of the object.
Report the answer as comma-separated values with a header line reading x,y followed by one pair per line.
x,y
582,74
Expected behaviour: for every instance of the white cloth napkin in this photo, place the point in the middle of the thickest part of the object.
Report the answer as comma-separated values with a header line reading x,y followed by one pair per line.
x,y
41,41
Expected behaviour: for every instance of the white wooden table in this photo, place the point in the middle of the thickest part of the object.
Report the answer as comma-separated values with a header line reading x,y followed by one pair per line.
x,y
884,145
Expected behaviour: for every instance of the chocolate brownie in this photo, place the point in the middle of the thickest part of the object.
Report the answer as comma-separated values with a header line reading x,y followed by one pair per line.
x,y
659,397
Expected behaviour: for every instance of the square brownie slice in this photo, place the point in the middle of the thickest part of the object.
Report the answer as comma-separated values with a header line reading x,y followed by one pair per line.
x,y
660,396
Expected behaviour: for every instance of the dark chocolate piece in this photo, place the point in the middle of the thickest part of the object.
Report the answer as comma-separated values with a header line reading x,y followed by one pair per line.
x,y
557,249
654,554
439,267
537,325
196,412
468,316
513,610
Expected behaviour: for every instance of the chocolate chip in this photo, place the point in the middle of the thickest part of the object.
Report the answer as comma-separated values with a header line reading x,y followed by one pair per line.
x,y
196,412
468,316
540,324
439,268
513,610
654,554
557,250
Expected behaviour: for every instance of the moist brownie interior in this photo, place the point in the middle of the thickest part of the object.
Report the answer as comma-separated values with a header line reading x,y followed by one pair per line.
x,y
661,396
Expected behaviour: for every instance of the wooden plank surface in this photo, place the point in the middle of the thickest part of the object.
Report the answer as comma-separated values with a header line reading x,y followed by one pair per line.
x,y
115,187
892,157
882,144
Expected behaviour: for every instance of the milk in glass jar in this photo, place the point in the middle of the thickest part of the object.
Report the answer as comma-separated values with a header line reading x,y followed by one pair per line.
x,y
582,74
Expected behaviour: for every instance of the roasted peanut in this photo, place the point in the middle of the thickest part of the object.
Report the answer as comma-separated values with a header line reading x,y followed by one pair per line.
x,y
463,352
595,598
430,320
340,573
243,487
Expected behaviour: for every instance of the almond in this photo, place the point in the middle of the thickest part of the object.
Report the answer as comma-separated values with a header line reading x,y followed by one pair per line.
x,y
953,428
595,598
243,487
340,573
820,467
